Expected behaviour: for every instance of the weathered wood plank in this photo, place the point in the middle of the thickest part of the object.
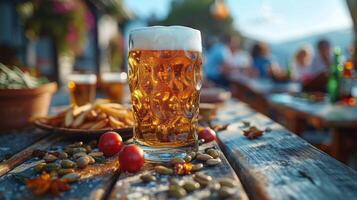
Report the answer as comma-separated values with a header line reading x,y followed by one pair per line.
x,y
12,142
25,154
129,186
320,113
95,182
280,165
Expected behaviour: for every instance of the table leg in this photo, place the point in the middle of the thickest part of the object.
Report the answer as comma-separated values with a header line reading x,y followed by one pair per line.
x,y
337,145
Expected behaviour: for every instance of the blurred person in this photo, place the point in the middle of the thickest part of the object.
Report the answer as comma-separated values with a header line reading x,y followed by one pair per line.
x,y
322,59
218,63
240,58
262,61
300,66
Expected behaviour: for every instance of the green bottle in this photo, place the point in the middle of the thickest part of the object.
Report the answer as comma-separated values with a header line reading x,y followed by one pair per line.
x,y
289,70
333,81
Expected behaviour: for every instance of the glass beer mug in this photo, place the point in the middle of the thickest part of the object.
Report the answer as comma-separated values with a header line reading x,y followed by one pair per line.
x,y
81,88
165,81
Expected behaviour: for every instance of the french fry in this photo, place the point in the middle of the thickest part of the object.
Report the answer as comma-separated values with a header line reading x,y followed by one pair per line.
x,y
113,112
68,119
100,124
114,123
92,115
79,110
102,115
113,105
87,125
79,119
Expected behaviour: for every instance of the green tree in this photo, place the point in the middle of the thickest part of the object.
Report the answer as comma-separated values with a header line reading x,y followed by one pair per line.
x,y
197,14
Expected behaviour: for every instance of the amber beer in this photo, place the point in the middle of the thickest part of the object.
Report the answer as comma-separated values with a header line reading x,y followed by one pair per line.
x,y
114,85
81,88
165,81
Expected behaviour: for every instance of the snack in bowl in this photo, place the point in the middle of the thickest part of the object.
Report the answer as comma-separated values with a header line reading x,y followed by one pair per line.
x,y
99,115
22,96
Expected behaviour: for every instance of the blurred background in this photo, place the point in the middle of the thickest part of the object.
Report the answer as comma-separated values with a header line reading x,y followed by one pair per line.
x,y
88,35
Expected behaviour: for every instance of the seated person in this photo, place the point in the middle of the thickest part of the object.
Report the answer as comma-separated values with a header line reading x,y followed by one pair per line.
x,y
262,61
300,66
217,65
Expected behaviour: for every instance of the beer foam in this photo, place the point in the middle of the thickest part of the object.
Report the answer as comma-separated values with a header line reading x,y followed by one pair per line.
x,y
165,38
83,78
114,77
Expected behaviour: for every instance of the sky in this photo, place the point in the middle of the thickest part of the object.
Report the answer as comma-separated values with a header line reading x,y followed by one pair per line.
x,y
268,20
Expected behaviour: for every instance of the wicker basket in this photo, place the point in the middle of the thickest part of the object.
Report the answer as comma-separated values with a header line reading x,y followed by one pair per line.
x,y
17,106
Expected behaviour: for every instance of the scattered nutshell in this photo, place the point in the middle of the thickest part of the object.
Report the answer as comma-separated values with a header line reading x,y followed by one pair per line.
x,y
174,181
163,170
88,148
51,167
39,167
213,152
67,163
227,182
191,186
76,144
49,158
96,154
214,186
54,174
147,178
188,158
177,160
192,154
91,159
62,155
75,150
202,179
177,191
71,177
213,162
82,162
197,167
225,192
78,149
62,172
203,157
79,154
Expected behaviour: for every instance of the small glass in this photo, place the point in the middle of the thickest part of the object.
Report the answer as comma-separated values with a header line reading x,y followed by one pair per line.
x,y
113,85
82,88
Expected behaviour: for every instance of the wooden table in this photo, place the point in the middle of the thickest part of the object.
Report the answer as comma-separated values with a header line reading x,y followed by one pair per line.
x,y
254,92
341,119
278,165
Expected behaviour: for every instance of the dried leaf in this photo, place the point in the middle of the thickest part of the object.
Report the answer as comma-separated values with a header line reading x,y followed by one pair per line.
x,y
253,133
43,184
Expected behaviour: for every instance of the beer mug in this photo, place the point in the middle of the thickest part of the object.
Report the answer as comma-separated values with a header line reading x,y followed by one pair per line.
x,y
81,88
165,81
113,85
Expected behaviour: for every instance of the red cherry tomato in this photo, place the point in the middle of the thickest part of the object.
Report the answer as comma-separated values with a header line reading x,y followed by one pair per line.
x,y
131,158
110,143
207,134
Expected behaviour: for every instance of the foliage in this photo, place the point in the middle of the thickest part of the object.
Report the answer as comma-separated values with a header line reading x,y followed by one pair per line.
x,y
197,14
66,21
112,7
